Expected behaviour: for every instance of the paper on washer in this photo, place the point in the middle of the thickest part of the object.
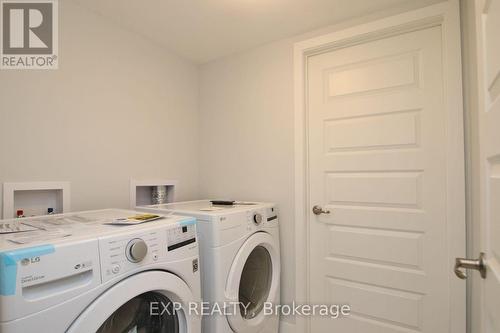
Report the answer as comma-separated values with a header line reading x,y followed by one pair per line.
x,y
14,227
38,235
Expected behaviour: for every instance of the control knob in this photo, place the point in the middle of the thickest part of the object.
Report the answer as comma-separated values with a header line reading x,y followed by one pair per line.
x,y
257,218
136,250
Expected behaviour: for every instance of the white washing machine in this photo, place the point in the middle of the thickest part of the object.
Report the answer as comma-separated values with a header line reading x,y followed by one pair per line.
x,y
240,261
81,275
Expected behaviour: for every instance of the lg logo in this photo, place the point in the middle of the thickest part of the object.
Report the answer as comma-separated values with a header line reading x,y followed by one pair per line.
x,y
29,36
27,261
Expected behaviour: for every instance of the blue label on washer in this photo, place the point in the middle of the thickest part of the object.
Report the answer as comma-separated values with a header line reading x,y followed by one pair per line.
x,y
8,265
190,221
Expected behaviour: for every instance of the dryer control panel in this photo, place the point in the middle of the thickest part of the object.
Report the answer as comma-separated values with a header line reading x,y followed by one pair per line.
x,y
262,217
272,215
181,236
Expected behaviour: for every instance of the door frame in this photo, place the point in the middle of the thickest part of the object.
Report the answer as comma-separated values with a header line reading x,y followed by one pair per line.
x,y
446,15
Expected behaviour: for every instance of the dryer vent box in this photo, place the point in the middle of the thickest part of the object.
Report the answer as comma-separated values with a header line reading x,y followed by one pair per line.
x,y
141,192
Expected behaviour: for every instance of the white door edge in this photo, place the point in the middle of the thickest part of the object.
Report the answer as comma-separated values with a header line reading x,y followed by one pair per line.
x,y
446,15
483,51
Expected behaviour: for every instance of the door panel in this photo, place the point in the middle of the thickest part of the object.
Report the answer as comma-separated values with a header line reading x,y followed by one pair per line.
x,y
377,162
369,76
385,131
380,189
381,246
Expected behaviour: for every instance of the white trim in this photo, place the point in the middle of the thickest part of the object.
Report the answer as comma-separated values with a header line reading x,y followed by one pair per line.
x,y
471,129
301,174
447,16
456,214
286,327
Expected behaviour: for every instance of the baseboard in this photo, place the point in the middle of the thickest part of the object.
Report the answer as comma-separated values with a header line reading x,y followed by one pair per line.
x,y
286,327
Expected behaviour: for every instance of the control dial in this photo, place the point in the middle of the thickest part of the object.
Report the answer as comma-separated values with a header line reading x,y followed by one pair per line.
x,y
136,250
257,218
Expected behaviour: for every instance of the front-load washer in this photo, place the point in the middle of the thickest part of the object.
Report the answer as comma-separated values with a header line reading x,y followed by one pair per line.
x,y
78,274
240,262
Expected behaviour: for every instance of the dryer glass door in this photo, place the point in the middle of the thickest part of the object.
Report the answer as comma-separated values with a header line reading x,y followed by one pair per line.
x,y
255,283
135,316
252,281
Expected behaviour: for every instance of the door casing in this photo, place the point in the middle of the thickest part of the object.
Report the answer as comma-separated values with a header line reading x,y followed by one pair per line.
x,y
446,15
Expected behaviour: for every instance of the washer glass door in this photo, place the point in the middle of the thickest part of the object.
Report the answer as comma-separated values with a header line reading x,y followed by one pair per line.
x,y
141,303
135,316
255,282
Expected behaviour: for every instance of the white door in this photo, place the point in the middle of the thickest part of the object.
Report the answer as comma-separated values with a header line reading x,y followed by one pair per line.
x,y
377,143
488,30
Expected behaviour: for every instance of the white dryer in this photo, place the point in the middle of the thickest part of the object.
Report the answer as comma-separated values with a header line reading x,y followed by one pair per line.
x,y
79,275
240,261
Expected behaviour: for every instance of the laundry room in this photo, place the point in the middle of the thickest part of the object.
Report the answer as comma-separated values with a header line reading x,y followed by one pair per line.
x,y
249,166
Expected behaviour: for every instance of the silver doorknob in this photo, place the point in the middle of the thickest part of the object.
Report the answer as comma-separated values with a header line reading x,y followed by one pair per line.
x,y
477,264
317,210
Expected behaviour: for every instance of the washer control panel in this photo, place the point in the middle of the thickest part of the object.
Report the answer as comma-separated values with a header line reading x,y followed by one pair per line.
x,y
120,254
181,236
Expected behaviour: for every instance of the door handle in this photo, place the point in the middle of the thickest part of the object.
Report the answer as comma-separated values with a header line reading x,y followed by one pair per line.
x,y
318,210
477,264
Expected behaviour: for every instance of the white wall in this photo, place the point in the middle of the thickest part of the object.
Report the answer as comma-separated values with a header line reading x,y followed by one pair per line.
x,y
247,136
119,107
247,131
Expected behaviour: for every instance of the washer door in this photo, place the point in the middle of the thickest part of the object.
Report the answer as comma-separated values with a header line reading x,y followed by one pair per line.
x,y
253,280
126,307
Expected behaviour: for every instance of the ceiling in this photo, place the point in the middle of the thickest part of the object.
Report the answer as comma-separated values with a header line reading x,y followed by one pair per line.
x,y
203,30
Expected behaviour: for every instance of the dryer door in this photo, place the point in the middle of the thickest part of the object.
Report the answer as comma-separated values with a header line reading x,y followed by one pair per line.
x,y
141,303
254,280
